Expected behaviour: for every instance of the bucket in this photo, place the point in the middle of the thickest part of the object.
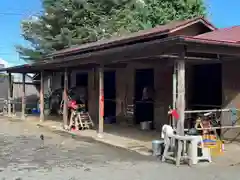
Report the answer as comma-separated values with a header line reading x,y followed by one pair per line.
x,y
145,125
157,147
218,149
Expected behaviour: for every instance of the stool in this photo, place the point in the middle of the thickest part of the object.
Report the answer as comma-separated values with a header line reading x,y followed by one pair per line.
x,y
193,150
169,155
190,153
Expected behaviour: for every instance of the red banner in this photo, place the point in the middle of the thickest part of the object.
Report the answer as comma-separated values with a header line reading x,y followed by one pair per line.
x,y
101,106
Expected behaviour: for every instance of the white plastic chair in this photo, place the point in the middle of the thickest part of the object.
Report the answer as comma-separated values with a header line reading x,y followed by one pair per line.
x,y
193,151
182,141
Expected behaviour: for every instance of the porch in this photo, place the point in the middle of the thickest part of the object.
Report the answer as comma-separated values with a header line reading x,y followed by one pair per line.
x,y
169,55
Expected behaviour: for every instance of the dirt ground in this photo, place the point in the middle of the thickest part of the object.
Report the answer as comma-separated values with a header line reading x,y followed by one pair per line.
x,y
23,155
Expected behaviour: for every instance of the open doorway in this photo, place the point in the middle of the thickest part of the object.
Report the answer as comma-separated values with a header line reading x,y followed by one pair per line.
x,y
144,106
110,95
82,86
82,80
207,86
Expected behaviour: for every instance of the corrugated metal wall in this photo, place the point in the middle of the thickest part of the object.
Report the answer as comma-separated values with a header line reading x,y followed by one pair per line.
x,y
32,95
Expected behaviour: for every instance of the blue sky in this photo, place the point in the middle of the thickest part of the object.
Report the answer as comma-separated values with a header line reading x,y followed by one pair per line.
x,y
222,13
11,14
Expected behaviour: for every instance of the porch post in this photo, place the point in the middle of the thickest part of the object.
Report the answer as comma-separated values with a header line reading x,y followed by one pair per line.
x,y
42,97
65,100
173,123
9,94
181,94
23,95
101,102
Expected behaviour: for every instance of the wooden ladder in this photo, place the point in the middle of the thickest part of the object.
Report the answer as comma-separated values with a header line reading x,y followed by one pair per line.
x,y
85,121
80,120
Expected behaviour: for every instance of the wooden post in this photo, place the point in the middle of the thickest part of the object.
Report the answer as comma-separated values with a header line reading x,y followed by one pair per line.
x,y
12,98
101,102
181,94
9,94
23,95
42,97
65,100
174,92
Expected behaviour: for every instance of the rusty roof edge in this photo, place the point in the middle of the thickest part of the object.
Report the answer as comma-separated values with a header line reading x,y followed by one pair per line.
x,y
130,38
194,21
25,66
210,41
181,39
207,22
161,40
42,63
110,43
9,68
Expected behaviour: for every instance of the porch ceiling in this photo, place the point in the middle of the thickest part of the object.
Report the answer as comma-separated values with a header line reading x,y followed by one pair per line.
x,y
170,46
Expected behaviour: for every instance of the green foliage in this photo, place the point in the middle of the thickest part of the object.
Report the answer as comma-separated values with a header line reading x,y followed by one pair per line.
x,y
65,23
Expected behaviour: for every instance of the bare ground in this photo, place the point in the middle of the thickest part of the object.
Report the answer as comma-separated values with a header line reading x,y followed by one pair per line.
x,y
23,155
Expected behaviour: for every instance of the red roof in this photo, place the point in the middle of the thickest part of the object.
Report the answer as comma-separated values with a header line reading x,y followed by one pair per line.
x,y
231,34
149,33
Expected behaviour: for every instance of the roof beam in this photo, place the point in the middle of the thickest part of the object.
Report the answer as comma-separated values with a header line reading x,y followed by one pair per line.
x,y
219,49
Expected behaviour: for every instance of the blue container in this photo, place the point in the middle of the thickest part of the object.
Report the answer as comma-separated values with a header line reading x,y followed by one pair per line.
x,y
157,147
110,120
107,120
35,111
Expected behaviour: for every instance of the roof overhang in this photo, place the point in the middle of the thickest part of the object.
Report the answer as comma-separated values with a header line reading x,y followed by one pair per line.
x,y
171,45
199,45
133,38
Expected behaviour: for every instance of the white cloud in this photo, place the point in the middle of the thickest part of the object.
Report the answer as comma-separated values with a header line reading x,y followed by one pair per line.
x,y
5,64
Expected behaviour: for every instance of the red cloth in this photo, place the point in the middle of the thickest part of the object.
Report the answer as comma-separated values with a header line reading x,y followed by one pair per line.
x,y
73,128
72,104
174,113
102,106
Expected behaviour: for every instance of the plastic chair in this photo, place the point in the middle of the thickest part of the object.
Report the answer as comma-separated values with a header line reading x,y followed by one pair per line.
x,y
187,147
193,151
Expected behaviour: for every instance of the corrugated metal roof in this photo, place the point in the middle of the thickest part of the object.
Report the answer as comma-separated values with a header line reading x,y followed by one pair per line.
x,y
138,36
231,34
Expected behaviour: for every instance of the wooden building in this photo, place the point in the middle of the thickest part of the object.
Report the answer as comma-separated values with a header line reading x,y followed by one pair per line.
x,y
198,59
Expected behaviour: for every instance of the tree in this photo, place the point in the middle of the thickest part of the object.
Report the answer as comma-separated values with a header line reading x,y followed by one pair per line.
x,y
65,23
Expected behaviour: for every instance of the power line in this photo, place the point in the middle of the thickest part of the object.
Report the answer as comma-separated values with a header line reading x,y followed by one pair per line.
x,y
9,53
18,14
11,14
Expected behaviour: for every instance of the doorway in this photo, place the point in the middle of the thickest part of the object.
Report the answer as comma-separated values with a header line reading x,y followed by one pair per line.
x,y
144,108
110,95
82,82
207,86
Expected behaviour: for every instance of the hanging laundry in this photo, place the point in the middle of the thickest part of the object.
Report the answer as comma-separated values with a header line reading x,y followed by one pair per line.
x,y
174,113
234,116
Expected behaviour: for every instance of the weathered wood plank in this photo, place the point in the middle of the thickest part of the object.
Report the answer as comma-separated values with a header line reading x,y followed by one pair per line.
x,y
42,97
181,94
65,99
101,102
23,95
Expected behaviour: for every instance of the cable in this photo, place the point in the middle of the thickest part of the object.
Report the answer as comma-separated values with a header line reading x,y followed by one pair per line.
x,y
7,53
11,13
18,14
